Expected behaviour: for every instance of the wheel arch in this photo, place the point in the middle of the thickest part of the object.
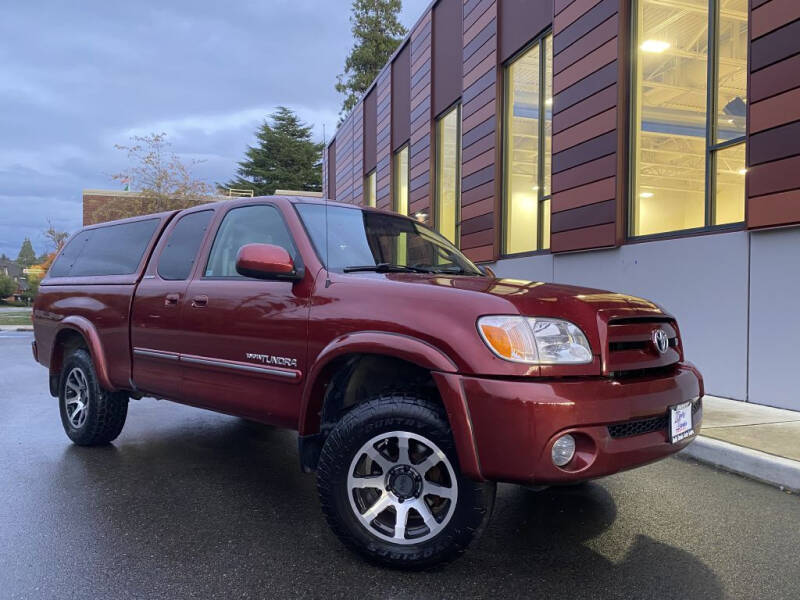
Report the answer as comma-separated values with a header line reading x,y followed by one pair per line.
x,y
414,359
78,332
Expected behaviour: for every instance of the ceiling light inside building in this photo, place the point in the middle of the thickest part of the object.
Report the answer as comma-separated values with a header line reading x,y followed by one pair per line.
x,y
656,46
742,171
646,195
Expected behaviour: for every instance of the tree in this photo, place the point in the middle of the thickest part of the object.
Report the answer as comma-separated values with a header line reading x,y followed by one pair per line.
x,y
55,238
377,33
27,256
7,286
160,177
285,157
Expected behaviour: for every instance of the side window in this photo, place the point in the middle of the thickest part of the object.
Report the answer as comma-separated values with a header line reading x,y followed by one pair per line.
x,y
112,250
260,224
71,252
177,257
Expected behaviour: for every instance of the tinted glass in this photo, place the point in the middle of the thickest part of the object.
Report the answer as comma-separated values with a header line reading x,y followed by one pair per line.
x,y
178,256
364,238
110,250
247,225
69,254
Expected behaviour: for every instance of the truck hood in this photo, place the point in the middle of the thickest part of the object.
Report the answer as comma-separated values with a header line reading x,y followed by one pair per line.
x,y
536,298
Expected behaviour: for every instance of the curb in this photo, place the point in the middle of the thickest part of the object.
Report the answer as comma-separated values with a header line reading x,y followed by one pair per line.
x,y
15,328
774,470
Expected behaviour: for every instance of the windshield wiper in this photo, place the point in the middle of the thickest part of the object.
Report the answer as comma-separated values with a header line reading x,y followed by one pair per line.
x,y
385,268
454,271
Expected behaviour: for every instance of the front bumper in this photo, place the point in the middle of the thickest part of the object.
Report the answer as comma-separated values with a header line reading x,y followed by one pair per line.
x,y
515,423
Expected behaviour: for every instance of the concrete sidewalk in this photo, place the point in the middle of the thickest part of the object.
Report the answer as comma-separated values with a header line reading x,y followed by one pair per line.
x,y
753,440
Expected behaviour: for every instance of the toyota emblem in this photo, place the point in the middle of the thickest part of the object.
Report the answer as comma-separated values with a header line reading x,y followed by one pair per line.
x,y
660,340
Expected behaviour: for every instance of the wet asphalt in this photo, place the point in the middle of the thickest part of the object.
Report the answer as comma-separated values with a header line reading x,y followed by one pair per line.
x,y
191,504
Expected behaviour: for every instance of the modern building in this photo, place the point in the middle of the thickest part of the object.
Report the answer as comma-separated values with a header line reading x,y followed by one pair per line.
x,y
644,146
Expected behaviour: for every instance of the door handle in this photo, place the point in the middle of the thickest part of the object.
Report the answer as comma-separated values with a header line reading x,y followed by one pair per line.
x,y
172,299
200,301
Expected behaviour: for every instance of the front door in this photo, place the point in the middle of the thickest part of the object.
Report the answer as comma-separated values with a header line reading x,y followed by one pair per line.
x,y
244,344
156,326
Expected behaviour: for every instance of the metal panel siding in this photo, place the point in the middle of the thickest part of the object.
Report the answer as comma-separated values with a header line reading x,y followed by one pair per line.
x,y
520,22
479,89
401,98
588,124
773,149
370,131
447,47
330,171
419,153
383,90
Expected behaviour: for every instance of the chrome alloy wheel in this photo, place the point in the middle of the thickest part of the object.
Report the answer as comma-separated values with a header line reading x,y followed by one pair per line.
x,y
76,397
402,487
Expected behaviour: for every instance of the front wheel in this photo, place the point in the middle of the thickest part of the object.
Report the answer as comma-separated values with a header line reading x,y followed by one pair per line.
x,y
390,485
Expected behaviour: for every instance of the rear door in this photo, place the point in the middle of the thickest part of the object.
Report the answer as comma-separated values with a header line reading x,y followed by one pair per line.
x,y
245,339
156,329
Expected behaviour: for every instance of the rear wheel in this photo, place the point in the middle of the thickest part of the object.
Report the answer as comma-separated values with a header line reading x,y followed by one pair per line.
x,y
91,416
391,488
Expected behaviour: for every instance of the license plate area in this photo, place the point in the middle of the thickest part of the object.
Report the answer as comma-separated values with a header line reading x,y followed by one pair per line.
x,y
681,425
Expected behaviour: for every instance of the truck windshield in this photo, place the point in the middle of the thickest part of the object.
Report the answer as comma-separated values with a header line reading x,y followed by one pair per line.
x,y
360,240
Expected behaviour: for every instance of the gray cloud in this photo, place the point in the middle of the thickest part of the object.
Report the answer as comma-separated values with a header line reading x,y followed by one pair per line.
x,y
78,77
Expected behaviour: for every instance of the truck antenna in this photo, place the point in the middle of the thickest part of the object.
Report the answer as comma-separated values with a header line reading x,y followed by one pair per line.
x,y
325,196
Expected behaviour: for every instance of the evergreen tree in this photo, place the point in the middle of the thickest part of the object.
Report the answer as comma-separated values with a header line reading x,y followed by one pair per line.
x,y
377,33
27,256
285,158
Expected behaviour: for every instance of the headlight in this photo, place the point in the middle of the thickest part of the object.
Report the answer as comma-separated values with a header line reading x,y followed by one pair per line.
x,y
535,340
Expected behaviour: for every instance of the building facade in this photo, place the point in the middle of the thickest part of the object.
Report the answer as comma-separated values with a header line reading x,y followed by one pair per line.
x,y
645,146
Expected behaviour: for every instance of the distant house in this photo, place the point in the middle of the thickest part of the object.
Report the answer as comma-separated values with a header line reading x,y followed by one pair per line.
x,y
11,269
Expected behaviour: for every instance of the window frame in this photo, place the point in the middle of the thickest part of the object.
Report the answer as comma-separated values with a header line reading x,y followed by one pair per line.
x,y
711,145
437,176
542,199
208,246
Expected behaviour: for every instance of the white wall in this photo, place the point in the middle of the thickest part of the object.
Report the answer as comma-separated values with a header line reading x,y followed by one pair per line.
x,y
775,318
701,280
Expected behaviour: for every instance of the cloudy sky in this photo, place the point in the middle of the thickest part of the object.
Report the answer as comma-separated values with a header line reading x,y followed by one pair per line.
x,y
77,77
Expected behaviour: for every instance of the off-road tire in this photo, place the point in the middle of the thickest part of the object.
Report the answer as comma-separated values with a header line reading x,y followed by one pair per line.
x,y
105,411
405,412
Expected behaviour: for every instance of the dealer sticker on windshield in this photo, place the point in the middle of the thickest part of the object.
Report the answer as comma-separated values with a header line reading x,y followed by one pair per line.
x,y
680,422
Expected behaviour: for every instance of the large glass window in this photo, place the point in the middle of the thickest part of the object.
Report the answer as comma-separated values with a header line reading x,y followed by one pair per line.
x,y
528,148
400,173
401,181
371,189
448,173
690,107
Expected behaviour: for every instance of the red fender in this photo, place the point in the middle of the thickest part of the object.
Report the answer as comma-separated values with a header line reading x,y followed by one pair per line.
x,y
406,348
83,326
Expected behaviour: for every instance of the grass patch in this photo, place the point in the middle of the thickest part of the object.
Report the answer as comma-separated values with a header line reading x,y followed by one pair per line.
x,y
15,318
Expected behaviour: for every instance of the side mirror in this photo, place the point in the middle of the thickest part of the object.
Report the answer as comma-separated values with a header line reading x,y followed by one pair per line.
x,y
487,271
266,261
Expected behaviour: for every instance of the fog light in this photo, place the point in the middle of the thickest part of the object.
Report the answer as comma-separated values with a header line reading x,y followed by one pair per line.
x,y
563,450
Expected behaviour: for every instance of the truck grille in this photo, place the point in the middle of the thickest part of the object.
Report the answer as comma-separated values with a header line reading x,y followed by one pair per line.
x,y
631,348
648,425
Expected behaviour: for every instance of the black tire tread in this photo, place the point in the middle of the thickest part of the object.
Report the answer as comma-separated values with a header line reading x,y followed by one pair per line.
x,y
402,410
107,411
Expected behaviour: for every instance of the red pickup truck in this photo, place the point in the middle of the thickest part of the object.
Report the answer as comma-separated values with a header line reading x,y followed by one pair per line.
x,y
415,379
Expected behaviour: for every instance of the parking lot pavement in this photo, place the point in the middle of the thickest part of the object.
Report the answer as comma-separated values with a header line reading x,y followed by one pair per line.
x,y
190,504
